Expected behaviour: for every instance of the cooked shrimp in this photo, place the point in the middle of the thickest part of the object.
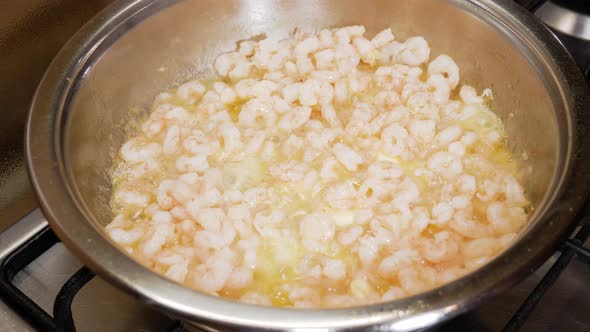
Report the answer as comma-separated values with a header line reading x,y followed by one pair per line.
x,y
323,170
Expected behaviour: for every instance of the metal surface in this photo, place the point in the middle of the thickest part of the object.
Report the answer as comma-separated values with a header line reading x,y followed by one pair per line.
x,y
31,33
42,279
111,66
20,232
11,321
565,20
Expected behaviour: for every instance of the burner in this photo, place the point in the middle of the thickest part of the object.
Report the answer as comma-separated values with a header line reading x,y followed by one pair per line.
x,y
570,17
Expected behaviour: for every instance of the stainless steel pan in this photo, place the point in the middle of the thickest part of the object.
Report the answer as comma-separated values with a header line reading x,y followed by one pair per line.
x,y
134,49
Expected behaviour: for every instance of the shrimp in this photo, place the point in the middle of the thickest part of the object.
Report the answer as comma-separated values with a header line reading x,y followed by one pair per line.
x,y
334,269
233,65
394,140
423,129
126,237
445,66
191,91
171,140
131,198
400,259
295,118
350,235
133,151
197,163
212,276
344,35
253,110
315,231
340,195
306,46
382,38
384,170
439,87
443,247
347,157
442,213
323,159
446,164
325,59
468,227
231,137
158,235
505,219
251,88
415,51
366,50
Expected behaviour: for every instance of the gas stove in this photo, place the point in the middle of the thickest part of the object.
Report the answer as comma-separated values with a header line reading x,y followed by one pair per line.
x,y
44,287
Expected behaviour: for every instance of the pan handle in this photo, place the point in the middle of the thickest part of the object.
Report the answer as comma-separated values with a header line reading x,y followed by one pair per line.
x,y
21,232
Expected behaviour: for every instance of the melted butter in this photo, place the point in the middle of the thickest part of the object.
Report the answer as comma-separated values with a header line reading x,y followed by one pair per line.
x,y
482,122
294,198
408,166
235,108
479,210
248,172
342,172
276,261
502,157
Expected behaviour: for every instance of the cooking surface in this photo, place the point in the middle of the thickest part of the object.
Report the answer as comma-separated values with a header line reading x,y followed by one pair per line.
x,y
31,32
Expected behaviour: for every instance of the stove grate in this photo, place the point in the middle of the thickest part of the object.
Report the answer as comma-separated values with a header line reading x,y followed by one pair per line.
x,y
572,247
14,263
62,309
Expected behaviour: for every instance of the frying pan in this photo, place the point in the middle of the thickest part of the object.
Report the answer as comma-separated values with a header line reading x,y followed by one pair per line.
x,y
132,50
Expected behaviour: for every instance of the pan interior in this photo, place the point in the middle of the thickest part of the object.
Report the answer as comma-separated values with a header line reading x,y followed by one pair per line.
x,y
156,52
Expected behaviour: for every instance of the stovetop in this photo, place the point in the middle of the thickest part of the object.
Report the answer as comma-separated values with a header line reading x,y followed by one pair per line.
x,y
44,287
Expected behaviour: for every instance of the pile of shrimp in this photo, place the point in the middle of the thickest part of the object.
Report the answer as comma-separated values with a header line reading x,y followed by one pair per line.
x,y
322,170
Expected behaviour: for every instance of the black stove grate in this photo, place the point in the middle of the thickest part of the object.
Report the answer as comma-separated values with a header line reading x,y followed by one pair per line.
x,y
14,263
62,308
572,247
